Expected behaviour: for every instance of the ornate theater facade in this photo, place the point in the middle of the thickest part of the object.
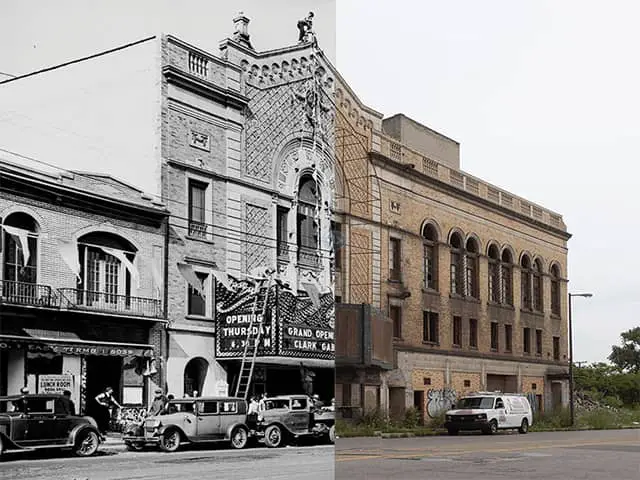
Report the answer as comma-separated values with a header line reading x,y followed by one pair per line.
x,y
248,173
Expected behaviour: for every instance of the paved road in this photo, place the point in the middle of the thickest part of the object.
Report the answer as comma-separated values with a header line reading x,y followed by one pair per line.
x,y
613,454
300,463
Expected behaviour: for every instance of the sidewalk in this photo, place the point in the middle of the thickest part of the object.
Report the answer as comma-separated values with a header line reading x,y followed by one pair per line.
x,y
113,442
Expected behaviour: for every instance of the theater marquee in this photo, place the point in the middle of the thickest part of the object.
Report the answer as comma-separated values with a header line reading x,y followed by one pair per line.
x,y
291,326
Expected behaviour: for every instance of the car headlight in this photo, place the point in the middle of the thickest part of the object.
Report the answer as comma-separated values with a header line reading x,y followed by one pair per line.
x,y
448,418
482,416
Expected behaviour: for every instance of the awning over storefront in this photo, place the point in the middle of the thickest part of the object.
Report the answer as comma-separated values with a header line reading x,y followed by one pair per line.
x,y
69,346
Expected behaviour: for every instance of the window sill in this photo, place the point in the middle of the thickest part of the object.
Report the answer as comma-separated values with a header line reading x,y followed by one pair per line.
x,y
506,306
199,239
510,352
431,291
199,317
456,346
472,347
532,312
394,281
556,316
431,344
494,350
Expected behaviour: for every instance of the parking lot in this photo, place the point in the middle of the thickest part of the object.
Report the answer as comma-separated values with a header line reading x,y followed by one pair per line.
x,y
586,455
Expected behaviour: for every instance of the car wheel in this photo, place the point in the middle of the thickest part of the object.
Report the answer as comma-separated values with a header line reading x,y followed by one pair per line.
x,y
239,438
86,444
332,434
452,431
170,441
493,427
273,437
524,428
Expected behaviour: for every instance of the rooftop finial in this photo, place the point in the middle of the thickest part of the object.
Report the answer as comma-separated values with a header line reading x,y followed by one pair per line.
x,y
241,33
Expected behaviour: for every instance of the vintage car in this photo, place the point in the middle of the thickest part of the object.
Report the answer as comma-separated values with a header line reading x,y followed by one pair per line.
x,y
34,422
193,420
287,418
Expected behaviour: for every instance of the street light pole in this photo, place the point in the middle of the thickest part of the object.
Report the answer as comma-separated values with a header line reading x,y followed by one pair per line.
x,y
571,386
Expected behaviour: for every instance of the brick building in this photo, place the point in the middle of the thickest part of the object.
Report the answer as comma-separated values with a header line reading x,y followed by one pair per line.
x,y
239,146
472,277
247,172
81,297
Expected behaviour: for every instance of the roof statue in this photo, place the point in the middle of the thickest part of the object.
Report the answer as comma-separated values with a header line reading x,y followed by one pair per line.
x,y
305,30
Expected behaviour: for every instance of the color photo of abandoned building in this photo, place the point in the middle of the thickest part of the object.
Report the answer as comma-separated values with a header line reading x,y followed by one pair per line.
x,y
448,284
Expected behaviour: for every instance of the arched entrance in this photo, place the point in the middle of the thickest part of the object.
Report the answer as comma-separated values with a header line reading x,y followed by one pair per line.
x,y
195,373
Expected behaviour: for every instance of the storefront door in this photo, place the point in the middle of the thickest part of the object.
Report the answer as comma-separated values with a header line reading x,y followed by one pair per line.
x,y
102,372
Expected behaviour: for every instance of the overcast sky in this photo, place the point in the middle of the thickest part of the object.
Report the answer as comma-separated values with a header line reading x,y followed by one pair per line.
x,y
541,94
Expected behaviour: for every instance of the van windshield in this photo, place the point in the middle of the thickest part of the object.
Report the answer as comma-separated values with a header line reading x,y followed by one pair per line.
x,y
475,402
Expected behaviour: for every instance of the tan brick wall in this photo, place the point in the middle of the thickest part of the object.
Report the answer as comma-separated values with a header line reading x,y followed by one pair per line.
x,y
418,376
458,382
419,204
527,385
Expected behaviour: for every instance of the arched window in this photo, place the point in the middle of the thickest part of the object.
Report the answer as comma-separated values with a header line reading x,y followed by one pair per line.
x,y
456,267
525,282
506,278
494,274
536,281
430,256
555,290
106,270
20,248
307,221
471,268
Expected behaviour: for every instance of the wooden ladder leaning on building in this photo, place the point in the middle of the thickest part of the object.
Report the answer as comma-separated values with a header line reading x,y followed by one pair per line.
x,y
253,340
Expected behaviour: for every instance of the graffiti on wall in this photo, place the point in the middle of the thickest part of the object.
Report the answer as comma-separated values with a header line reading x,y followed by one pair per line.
x,y
440,400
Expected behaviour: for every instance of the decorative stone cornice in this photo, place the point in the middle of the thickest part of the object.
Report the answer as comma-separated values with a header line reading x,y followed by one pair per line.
x,y
208,90
381,160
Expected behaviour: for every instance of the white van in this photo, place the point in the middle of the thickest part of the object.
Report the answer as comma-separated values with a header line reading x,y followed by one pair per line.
x,y
490,412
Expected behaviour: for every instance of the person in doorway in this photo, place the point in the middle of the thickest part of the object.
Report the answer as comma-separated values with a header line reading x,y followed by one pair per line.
x,y
107,403
159,403
64,405
307,376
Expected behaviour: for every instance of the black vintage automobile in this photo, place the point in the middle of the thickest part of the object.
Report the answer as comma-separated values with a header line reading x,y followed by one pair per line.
x,y
287,418
30,422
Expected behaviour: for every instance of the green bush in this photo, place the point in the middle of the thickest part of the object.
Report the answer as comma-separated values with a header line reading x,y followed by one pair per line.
x,y
412,418
374,419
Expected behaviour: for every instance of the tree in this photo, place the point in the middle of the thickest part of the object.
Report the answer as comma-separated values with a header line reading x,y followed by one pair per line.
x,y
627,357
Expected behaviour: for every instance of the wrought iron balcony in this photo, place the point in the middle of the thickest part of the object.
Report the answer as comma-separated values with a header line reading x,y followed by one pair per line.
x,y
74,298
308,257
27,294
